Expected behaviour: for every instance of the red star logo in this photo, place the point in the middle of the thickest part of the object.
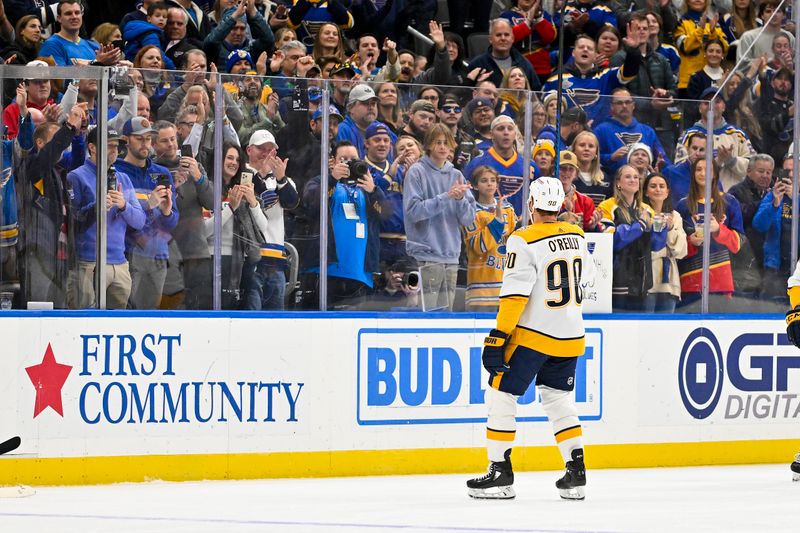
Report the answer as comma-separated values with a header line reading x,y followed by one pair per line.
x,y
48,377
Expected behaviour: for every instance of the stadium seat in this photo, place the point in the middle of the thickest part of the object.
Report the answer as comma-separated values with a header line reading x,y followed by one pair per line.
x,y
443,14
293,258
477,43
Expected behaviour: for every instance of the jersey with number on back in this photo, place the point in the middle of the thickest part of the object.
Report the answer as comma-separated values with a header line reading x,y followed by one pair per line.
x,y
547,267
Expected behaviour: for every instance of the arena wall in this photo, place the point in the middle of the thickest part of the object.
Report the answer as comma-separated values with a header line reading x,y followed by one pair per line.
x,y
111,397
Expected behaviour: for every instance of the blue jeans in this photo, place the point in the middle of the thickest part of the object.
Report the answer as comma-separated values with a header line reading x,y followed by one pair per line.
x,y
264,287
661,302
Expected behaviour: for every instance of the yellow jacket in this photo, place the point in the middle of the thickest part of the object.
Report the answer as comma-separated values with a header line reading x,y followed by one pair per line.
x,y
689,39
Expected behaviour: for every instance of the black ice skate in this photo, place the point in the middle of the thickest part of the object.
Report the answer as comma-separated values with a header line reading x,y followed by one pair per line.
x,y
796,468
570,487
496,484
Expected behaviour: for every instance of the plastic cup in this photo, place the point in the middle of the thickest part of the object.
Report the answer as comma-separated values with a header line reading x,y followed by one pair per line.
x,y
659,222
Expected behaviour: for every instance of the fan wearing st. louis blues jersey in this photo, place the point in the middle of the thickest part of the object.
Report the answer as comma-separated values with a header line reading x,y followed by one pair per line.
x,y
504,158
485,240
587,86
617,134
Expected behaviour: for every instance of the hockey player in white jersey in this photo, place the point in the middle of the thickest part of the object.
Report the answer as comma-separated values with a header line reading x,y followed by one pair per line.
x,y
539,334
793,332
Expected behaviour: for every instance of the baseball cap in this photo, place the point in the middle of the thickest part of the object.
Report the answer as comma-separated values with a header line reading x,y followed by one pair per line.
x,y
449,98
333,111
708,92
314,71
376,128
573,115
137,126
422,105
568,158
260,137
502,119
314,94
342,67
477,103
236,56
111,135
361,93
36,63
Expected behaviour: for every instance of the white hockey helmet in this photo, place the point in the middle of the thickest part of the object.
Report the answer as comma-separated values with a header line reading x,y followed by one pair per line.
x,y
547,194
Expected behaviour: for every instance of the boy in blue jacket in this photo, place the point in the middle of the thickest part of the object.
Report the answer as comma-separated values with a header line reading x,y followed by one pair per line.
x,y
141,33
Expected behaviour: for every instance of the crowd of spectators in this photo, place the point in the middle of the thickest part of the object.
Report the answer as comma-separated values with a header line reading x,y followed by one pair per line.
x,y
426,163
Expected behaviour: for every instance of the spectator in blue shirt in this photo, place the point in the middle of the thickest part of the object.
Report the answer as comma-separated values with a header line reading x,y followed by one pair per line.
x,y
124,212
149,247
67,48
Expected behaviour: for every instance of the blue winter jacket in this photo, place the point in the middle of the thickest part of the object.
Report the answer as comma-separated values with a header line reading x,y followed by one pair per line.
x,y
152,241
140,33
768,220
9,218
83,182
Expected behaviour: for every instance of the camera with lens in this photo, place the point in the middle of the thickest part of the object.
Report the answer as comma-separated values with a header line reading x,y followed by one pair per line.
x,y
357,168
411,279
408,267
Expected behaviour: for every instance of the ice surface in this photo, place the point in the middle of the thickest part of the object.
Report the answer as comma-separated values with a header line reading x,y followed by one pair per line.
x,y
740,498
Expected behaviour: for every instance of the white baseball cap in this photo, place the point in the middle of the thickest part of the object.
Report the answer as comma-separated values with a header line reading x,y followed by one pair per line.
x,y
361,93
260,137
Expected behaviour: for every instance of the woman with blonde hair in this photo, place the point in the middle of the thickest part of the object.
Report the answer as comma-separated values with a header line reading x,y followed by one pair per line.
x,y
106,33
591,180
550,107
631,221
538,118
284,35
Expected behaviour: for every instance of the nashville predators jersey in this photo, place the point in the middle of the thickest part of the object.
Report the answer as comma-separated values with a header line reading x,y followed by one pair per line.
x,y
547,268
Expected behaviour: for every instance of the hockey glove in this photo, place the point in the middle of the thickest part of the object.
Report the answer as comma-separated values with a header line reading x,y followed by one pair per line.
x,y
494,346
793,326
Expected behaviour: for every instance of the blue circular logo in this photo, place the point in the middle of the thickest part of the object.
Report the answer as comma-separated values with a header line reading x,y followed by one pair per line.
x,y
700,373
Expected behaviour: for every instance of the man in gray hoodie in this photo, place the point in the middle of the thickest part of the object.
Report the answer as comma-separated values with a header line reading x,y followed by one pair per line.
x,y
436,202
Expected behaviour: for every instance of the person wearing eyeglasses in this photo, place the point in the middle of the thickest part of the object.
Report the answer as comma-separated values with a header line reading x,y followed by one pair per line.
x,y
449,114
621,130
